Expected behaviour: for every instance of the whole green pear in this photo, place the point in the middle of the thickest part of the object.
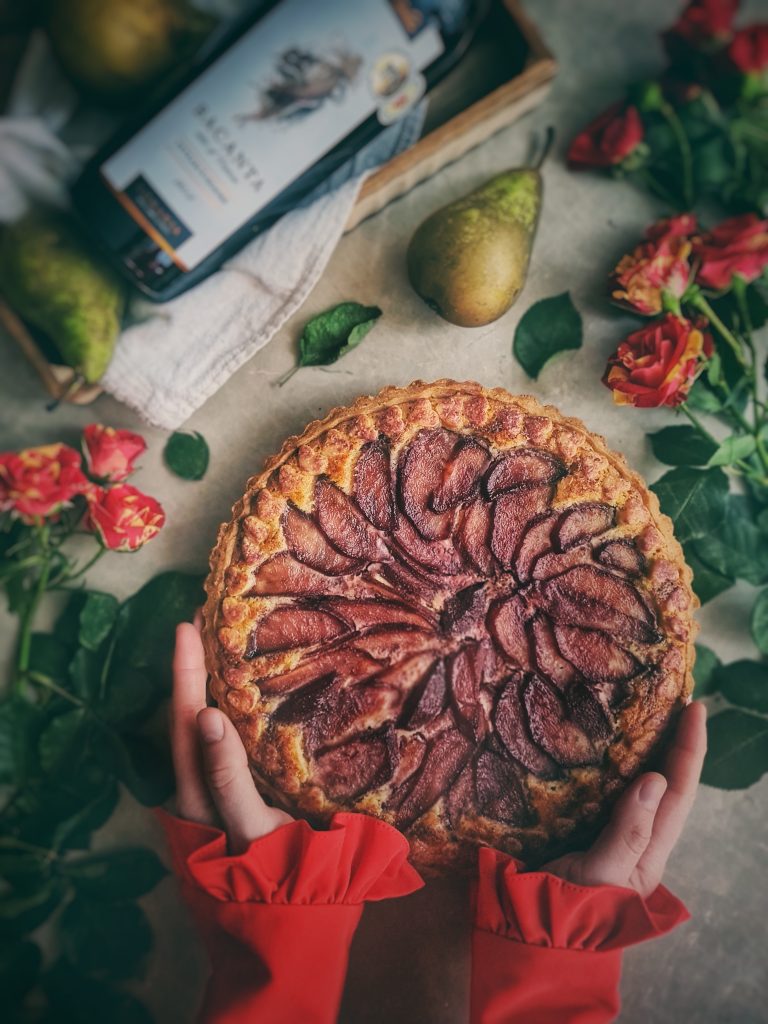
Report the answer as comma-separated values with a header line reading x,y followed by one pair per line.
x,y
469,259
50,278
114,48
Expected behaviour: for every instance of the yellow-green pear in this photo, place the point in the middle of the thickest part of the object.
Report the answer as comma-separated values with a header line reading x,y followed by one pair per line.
x,y
469,259
51,279
114,48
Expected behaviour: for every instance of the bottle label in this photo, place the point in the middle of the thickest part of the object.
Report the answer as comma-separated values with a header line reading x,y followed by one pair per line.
x,y
288,91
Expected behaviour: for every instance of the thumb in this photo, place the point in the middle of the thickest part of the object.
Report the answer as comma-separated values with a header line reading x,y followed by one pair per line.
x,y
625,838
244,814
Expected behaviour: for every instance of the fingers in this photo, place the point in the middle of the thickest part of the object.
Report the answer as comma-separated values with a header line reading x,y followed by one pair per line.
x,y
682,769
614,857
244,814
189,698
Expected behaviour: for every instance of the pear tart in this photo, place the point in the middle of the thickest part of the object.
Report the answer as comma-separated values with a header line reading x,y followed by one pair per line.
x,y
455,609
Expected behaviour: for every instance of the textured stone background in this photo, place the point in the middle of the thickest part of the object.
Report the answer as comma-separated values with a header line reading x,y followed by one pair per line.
x,y
409,960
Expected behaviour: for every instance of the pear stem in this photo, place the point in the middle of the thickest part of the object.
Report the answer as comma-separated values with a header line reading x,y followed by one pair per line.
x,y
549,138
77,381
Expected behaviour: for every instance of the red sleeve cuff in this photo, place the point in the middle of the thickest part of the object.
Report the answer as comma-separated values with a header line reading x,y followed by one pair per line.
x,y
539,909
358,858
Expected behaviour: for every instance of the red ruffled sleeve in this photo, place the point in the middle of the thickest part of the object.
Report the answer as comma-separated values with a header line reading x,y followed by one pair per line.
x,y
278,919
546,951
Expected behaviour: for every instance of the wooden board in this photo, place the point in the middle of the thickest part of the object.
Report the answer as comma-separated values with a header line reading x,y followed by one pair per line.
x,y
506,72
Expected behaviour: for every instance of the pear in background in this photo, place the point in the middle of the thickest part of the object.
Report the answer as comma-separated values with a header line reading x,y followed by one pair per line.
x,y
469,259
114,48
52,281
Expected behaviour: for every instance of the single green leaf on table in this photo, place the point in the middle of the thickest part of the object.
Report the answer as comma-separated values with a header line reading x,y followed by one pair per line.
x,y
694,499
704,671
76,998
334,332
116,876
737,754
760,622
550,326
736,548
744,683
187,455
106,940
732,449
681,446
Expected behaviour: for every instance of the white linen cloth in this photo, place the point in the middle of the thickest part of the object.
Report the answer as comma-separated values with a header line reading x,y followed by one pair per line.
x,y
175,355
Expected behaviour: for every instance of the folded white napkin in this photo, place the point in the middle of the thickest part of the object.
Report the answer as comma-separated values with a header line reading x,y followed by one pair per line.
x,y
176,355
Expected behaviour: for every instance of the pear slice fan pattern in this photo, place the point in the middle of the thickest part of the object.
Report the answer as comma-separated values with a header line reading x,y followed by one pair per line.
x,y
456,610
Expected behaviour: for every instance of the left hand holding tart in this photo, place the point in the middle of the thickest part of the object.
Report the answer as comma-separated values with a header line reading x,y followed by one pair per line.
x,y
214,783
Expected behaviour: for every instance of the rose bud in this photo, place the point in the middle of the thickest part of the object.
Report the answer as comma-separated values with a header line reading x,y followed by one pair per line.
x,y
657,365
704,24
110,454
748,54
657,265
124,518
737,246
38,482
611,139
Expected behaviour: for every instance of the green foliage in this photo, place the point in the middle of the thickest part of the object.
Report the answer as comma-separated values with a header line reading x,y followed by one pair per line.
x,y
549,327
737,754
694,499
704,671
681,446
187,455
67,740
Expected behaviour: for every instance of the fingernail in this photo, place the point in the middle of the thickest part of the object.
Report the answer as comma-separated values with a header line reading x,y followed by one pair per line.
x,y
651,791
211,725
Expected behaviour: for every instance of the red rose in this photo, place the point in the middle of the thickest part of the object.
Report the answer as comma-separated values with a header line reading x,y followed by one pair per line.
x,y
748,51
38,482
737,246
609,139
110,454
704,22
658,364
124,518
659,264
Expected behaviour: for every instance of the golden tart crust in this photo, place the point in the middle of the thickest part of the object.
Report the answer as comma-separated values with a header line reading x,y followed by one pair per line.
x,y
550,808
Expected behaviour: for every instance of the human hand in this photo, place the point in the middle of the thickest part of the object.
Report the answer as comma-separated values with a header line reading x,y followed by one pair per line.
x,y
214,785
633,848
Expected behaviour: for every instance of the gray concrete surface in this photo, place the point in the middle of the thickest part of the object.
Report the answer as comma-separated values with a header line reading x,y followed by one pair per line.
x,y
410,958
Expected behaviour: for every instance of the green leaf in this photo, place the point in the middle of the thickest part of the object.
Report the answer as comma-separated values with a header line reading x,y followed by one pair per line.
x,y
21,913
737,754
744,683
97,617
760,622
63,737
733,448
336,331
76,998
187,455
105,940
737,548
694,499
704,671
707,582
116,876
130,695
146,622
49,657
75,831
702,398
19,967
140,765
681,446
550,326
